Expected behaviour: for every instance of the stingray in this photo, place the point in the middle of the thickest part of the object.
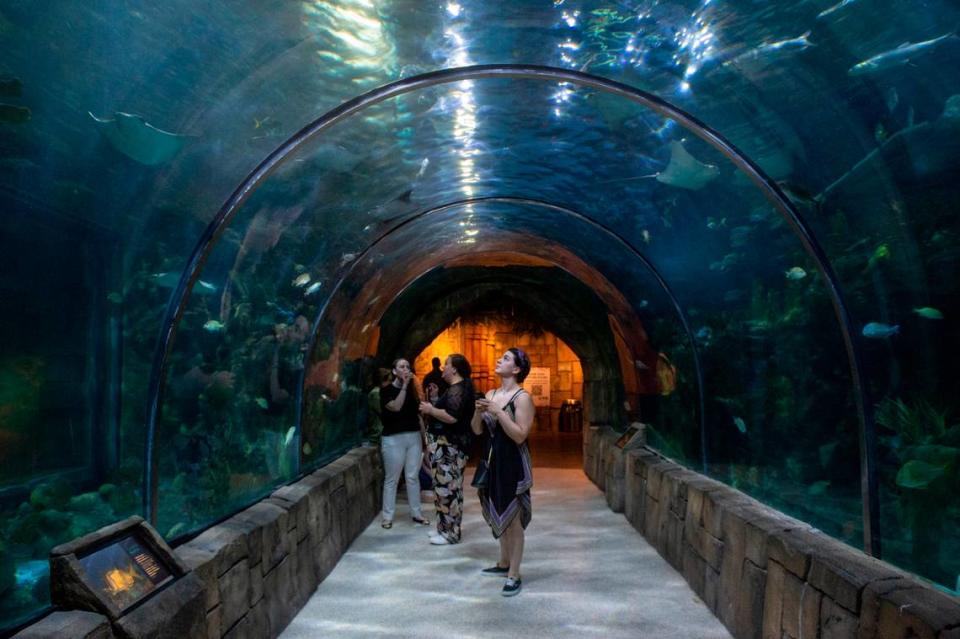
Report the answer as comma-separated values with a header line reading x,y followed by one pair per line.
x,y
137,139
683,170
686,171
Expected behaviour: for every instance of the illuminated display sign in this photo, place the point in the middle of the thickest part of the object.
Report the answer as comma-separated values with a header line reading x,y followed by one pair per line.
x,y
628,437
125,571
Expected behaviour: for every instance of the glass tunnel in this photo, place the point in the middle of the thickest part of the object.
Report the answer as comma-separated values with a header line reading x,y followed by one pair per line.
x,y
738,219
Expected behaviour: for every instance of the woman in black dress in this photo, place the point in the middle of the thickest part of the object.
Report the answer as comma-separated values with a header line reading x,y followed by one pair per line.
x,y
506,413
448,436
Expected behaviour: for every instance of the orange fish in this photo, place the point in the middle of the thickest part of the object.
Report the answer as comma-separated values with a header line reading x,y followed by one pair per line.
x,y
666,375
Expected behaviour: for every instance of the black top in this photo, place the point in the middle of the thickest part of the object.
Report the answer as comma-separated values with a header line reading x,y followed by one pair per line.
x,y
401,421
458,402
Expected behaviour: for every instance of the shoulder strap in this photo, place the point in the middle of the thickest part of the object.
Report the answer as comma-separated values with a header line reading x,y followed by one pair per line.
x,y
515,395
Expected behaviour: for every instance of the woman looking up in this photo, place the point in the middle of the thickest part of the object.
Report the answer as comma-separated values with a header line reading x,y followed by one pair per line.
x,y
448,433
401,443
507,415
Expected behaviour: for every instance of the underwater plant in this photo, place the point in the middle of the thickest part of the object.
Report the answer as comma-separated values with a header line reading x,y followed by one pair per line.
x,y
927,452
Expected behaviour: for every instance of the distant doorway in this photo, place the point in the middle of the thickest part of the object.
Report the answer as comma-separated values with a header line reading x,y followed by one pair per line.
x,y
555,382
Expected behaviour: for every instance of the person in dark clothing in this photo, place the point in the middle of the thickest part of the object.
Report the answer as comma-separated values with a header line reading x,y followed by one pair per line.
x,y
401,443
507,413
448,433
433,384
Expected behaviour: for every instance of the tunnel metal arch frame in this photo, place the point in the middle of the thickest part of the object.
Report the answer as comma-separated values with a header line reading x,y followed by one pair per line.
x,y
522,201
767,186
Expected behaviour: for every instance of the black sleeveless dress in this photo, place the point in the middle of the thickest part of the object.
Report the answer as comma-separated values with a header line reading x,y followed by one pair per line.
x,y
511,476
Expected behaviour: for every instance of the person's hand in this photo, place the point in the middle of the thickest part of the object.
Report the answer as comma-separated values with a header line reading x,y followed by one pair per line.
x,y
485,405
406,376
426,407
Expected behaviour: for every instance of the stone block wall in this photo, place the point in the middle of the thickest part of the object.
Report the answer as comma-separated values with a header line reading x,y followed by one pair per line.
x,y
257,569
762,573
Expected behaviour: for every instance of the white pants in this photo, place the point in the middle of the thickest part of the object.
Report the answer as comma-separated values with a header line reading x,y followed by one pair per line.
x,y
402,451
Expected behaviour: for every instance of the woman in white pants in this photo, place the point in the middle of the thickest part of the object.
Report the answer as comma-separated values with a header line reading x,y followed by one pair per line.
x,y
402,443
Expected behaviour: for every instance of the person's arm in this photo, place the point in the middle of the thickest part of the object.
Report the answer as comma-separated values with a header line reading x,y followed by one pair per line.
x,y
518,430
476,424
437,413
453,400
397,402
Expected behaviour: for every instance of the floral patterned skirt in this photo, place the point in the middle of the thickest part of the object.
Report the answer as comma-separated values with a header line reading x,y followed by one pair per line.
x,y
448,463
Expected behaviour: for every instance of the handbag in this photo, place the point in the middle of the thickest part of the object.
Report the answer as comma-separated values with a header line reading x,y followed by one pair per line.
x,y
482,477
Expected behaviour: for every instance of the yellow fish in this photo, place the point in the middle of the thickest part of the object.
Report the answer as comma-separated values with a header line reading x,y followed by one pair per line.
x,y
301,280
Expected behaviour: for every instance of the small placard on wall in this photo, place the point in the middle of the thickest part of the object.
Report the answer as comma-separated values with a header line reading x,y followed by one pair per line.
x,y
114,570
125,572
537,384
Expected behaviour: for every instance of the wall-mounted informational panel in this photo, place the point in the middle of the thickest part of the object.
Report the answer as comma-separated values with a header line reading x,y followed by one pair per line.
x,y
113,570
537,384
125,571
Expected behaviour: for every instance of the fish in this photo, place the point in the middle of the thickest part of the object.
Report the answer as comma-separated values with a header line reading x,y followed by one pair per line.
x,y
11,87
313,288
876,330
795,274
796,193
798,43
951,108
880,133
893,99
13,114
139,140
214,326
346,258
740,424
262,403
836,7
705,334
169,279
423,167
286,314
301,280
307,449
685,171
713,223
929,312
882,252
645,234
895,57
289,436
818,488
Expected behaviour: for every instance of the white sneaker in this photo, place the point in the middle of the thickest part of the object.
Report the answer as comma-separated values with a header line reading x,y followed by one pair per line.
x,y
438,540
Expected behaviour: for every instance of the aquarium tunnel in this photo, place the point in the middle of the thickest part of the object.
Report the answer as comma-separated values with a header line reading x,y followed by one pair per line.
x,y
733,222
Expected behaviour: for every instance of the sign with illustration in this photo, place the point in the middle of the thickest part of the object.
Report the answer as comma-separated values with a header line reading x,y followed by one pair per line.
x,y
115,570
125,572
537,384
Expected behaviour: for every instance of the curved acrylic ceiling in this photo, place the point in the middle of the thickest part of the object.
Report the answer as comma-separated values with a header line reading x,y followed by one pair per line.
x,y
338,180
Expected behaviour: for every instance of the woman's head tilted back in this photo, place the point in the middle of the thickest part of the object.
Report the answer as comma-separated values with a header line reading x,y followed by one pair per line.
x,y
522,362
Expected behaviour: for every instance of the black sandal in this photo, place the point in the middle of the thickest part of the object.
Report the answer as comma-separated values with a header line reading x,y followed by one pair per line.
x,y
386,524
423,521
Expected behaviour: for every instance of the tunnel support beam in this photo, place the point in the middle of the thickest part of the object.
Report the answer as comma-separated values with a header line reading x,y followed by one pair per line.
x,y
767,186
521,201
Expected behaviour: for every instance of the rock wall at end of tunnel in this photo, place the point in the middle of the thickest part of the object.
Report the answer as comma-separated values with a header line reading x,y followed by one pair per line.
x,y
762,573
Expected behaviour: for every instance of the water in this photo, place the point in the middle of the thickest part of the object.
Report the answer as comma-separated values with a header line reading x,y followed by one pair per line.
x,y
95,239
